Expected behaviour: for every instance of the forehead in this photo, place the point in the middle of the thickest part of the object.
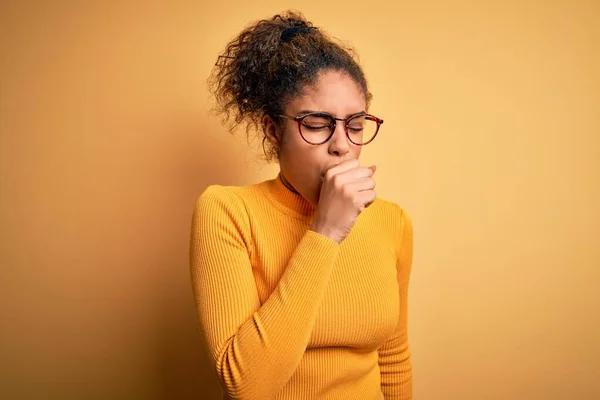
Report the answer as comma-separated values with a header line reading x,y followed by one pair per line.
x,y
334,92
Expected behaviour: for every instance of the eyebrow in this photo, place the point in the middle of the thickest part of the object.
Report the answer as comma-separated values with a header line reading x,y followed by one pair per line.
x,y
328,113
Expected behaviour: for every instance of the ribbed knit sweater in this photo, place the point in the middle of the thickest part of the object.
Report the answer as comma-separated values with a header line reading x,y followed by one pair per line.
x,y
287,313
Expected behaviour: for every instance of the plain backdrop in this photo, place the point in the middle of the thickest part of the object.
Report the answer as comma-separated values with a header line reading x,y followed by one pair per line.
x,y
491,142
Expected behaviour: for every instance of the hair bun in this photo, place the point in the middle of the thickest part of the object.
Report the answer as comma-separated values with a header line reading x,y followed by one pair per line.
x,y
289,33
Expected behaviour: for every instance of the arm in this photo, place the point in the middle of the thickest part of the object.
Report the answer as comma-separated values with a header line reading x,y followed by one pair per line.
x,y
394,355
255,349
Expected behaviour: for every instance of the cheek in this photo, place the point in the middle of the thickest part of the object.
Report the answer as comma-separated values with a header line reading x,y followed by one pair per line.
x,y
298,155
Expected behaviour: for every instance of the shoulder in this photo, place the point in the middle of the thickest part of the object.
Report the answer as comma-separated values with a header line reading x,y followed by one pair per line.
x,y
221,202
219,215
217,193
216,196
228,195
393,212
395,217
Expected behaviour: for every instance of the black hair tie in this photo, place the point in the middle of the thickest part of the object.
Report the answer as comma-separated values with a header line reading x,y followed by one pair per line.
x,y
289,33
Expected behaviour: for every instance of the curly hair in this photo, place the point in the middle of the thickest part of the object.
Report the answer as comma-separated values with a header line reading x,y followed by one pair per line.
x,y
269,63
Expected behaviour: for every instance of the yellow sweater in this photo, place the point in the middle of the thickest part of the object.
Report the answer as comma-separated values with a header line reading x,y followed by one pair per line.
x,y
287,313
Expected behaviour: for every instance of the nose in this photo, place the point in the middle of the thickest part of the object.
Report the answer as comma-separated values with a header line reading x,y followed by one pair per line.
x,y
339,145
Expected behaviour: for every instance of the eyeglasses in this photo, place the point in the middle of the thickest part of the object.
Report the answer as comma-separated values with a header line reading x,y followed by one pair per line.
x,y
318,127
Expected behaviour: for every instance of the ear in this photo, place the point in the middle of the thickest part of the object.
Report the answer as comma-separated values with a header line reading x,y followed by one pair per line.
x,y
271,130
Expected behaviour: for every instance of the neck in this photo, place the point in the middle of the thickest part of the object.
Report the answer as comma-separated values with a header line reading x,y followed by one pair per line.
x,y
287,184
287,198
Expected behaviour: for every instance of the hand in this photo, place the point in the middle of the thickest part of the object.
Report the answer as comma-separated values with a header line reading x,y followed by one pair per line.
x,y
346,191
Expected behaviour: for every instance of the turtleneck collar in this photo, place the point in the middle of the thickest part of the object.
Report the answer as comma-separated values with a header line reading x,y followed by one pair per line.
x,y
286,200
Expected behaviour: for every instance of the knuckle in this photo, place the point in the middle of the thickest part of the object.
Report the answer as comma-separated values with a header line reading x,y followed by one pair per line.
x,y
336,182
346,192
359,204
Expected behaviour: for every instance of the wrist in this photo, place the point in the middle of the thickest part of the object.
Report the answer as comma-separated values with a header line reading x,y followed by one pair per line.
x,y
325,231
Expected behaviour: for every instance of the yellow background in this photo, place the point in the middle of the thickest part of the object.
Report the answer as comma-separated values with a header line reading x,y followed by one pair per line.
x,y
491,141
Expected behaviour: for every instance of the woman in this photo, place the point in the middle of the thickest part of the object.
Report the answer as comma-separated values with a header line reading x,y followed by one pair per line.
x,y
301,281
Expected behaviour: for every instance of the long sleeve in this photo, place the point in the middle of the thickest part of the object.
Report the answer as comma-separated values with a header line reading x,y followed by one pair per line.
x,y
394,355
255,348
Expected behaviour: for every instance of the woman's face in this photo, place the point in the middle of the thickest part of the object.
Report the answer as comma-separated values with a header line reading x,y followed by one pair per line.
x,y
303,164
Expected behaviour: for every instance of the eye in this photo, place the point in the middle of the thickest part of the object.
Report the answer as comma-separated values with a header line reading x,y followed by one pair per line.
x,y
357,124
317,122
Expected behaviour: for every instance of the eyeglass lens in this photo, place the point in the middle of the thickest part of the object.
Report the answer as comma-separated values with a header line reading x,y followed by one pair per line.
x,y
316,128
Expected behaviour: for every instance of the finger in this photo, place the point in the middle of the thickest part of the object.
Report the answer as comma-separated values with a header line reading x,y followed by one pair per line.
x,y
361,184
341,167
355,174
367,197
361,172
